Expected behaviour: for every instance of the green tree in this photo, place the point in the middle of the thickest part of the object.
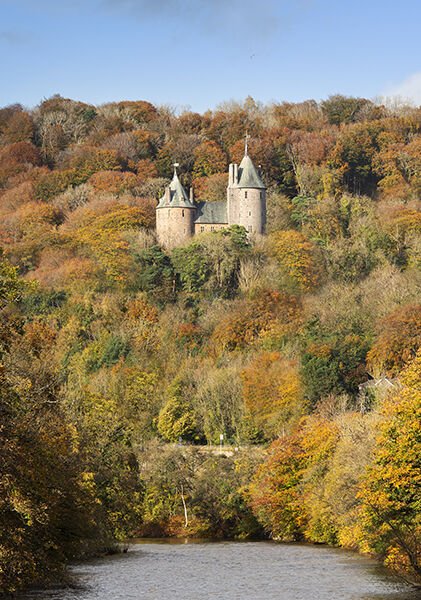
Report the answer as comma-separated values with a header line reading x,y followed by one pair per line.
x,y
343,109
191,266
333,363
177,420
156,274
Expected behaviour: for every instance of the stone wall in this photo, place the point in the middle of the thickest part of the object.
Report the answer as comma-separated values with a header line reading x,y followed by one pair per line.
x,y
174,226
205,227
247,207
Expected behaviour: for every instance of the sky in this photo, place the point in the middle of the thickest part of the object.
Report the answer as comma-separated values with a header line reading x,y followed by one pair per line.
x,y
196,54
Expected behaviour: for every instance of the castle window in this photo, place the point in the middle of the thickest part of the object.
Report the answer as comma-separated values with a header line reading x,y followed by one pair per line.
x,y
249,214
182,213
250,229
245,194
202,228
212,228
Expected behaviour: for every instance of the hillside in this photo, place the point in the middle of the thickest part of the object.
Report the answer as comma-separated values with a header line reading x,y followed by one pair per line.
x,y
120,361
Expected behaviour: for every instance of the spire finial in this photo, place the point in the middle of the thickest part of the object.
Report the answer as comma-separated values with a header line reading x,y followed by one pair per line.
x,y
175,165
246,148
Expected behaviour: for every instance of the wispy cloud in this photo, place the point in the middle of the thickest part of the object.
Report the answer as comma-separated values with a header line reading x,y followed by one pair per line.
x,y
408,90
209,16
246,18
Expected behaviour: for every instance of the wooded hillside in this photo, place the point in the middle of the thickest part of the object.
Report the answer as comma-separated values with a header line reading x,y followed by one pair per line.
x,y
119,361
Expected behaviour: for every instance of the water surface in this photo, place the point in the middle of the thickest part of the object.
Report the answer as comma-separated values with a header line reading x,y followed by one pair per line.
x,y
153,570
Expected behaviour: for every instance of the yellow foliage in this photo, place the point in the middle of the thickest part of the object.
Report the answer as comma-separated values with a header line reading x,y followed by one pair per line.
x,y
297,257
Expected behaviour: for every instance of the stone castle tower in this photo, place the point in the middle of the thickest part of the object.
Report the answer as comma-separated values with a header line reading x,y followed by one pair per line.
x,y
179,217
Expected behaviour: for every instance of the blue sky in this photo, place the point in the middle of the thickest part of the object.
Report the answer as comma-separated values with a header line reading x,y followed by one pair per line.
x,y
198,53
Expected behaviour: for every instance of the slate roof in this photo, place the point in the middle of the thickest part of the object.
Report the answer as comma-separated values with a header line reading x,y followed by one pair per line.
x,y
178,195
248,177
211,212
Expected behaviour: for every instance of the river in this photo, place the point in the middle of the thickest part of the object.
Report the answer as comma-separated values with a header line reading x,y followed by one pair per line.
x,y
164,570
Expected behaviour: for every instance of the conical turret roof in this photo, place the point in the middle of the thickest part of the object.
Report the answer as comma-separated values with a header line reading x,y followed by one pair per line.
x,y
178,196
248,176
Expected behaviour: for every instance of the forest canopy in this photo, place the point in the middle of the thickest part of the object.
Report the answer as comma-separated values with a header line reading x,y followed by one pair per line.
x,y
122,363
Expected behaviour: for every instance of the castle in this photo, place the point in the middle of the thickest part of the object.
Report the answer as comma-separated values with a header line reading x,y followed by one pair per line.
x,y
179,217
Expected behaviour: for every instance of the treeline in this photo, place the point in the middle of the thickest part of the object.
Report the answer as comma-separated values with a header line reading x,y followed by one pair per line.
x,y
119,361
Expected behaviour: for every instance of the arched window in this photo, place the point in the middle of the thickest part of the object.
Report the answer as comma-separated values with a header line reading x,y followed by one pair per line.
x,y
182,213
245,194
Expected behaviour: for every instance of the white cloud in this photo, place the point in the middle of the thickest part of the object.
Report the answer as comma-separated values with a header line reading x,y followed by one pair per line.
x,y
409,90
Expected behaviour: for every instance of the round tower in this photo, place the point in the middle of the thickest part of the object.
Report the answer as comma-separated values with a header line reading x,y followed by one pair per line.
x,y
246,196
175,215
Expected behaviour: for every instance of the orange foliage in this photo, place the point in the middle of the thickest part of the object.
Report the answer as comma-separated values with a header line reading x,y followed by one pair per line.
x,y
271,312
401,219
11,199
188,336
38,212
146,169
264,151
88,160
101,233
140,310
38,337
22,153
275,490
113,182
19,128
60,267
17,158
141,110
212,188
311,147
226,128
190,122
297,256
49,184
272,392
146,142
208,159
319,437
398,340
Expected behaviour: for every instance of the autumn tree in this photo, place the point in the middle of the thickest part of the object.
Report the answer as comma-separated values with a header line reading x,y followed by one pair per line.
x,y
251,321
177,419
343,109
391,488
353,157
274,402
275,491
209,159
398,340
297,258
